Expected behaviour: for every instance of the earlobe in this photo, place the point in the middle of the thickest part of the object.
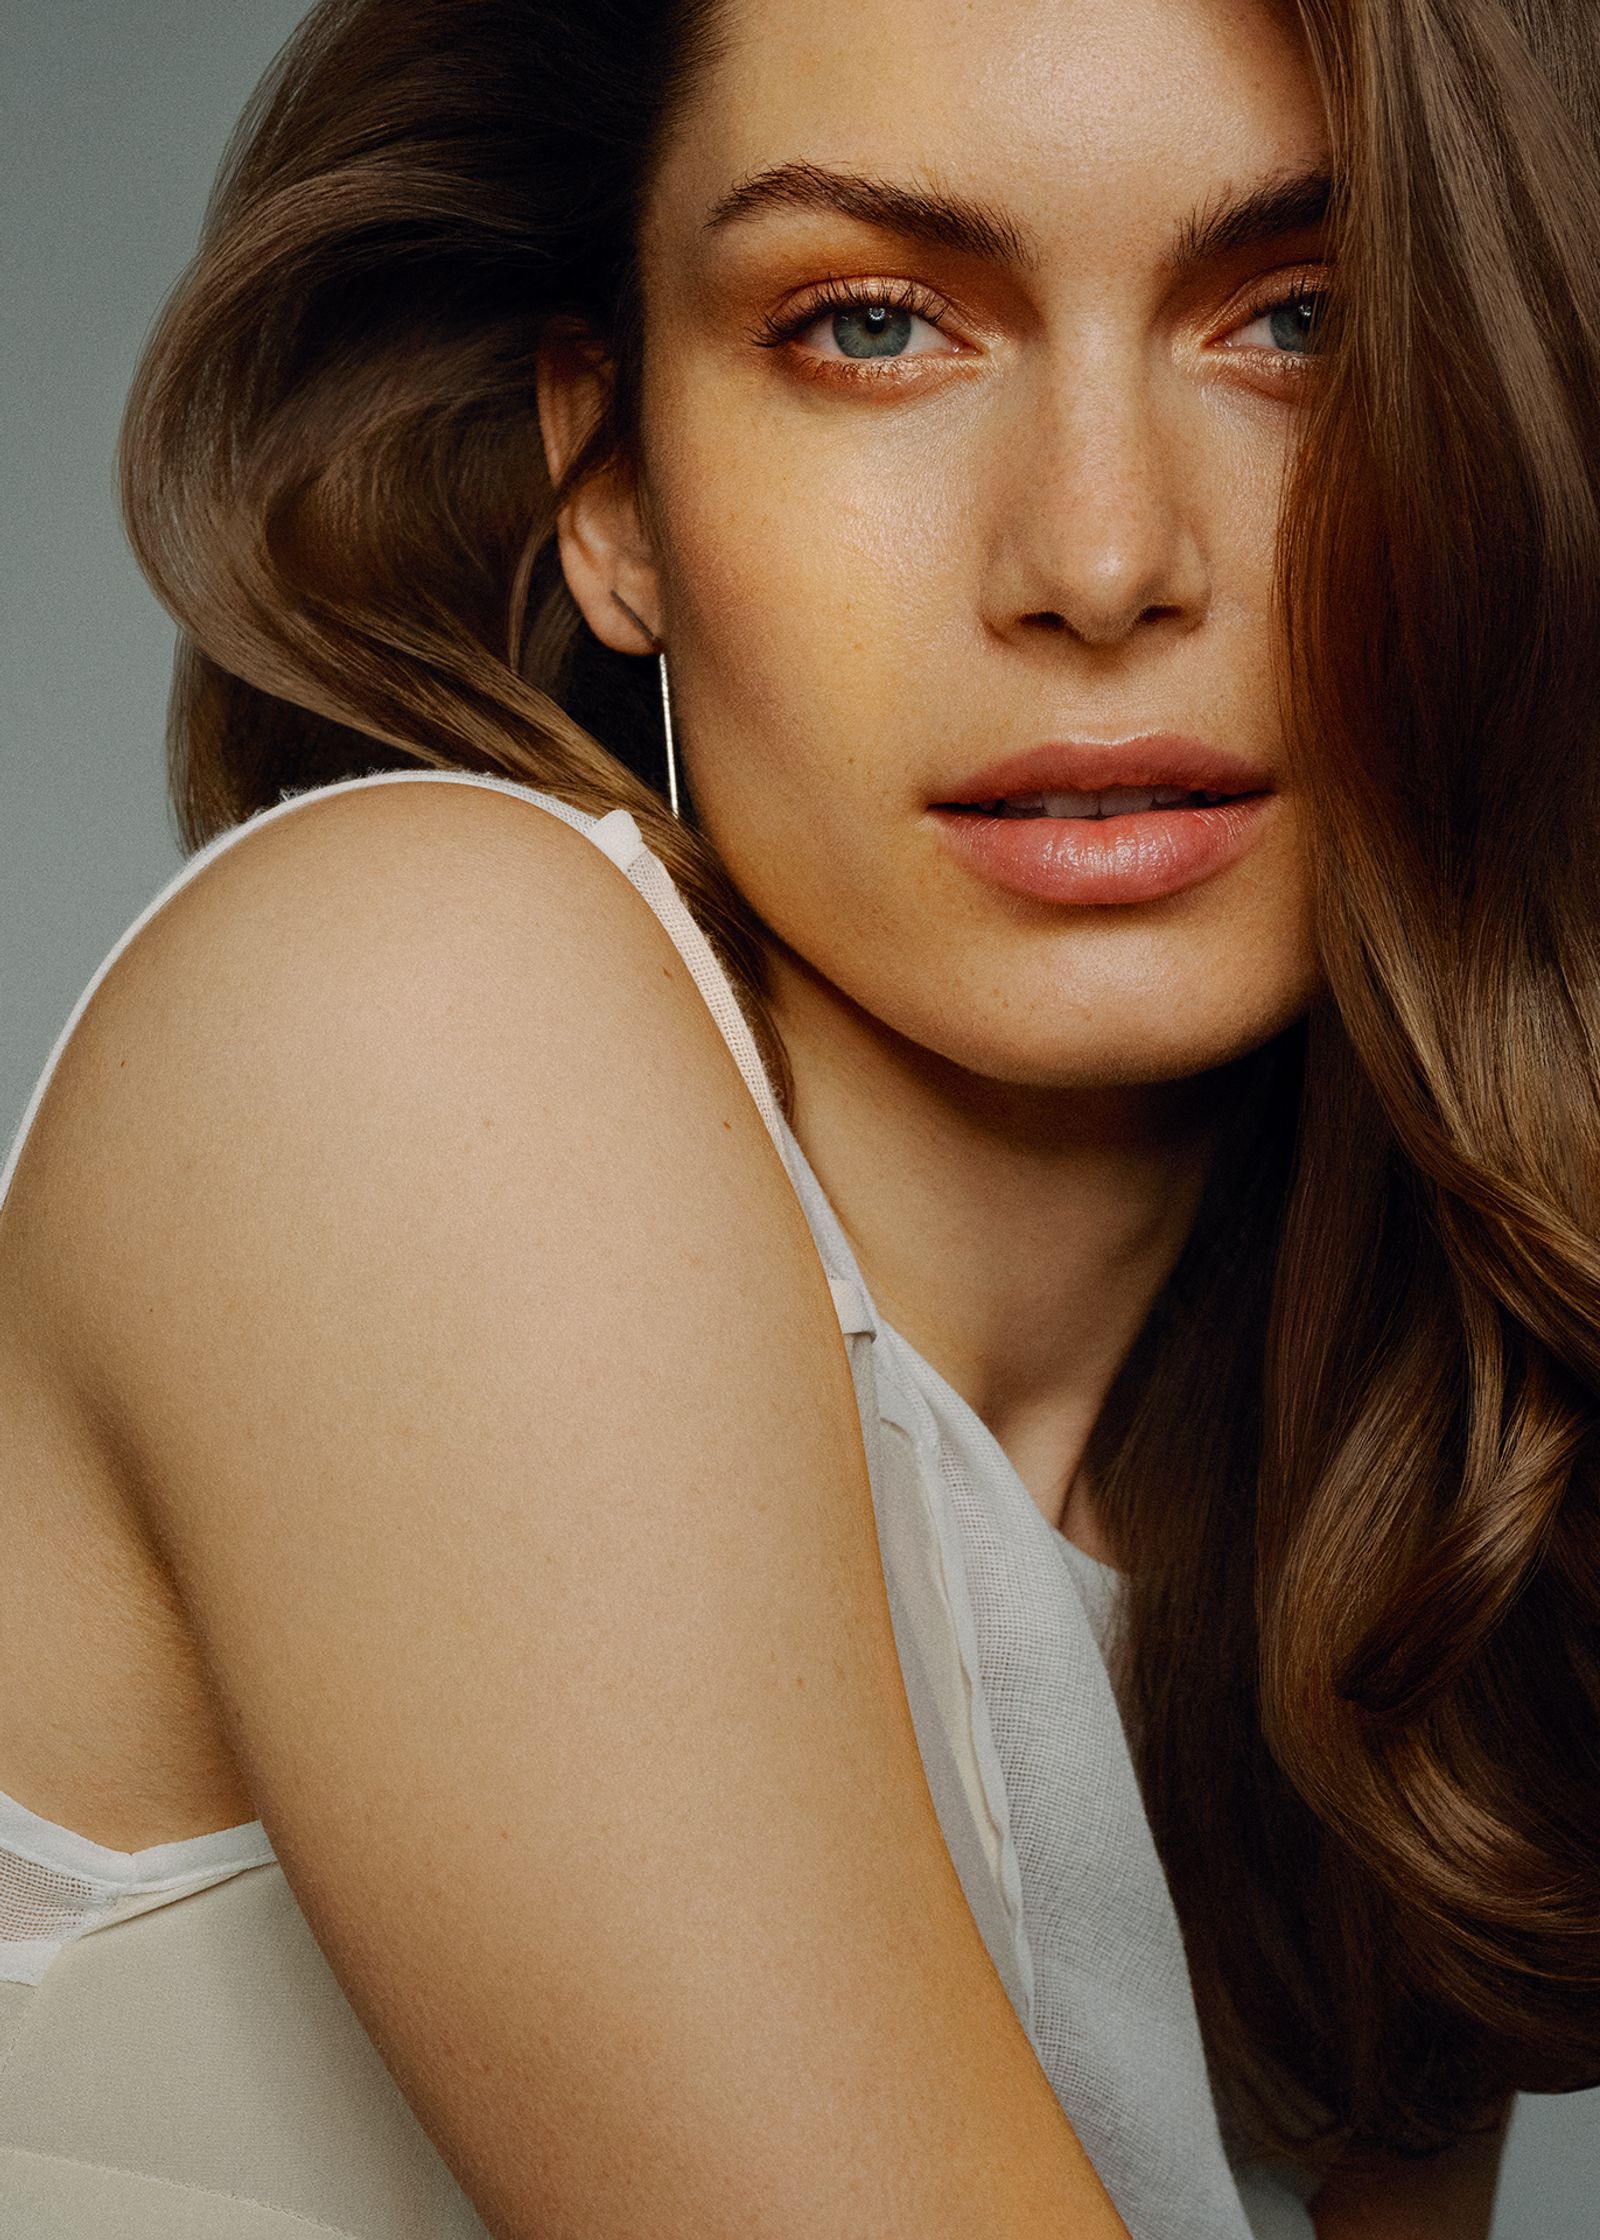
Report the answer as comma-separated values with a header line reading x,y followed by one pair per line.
x,y
599,534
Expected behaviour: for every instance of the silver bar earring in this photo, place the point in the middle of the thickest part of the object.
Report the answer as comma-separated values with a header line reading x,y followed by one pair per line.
x,y
666,719
666,700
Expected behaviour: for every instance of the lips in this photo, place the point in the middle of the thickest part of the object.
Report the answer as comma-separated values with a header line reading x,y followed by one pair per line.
x,y
1155,759
1135,858
1073,821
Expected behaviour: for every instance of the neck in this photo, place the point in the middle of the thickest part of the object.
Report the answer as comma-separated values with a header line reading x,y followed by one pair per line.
x,y
1016,1236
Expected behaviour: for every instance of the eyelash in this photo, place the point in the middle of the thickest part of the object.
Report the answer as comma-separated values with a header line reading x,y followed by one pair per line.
x,y
774,330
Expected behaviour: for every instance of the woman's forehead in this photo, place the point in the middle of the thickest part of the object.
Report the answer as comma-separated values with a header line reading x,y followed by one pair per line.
x,y
1042,110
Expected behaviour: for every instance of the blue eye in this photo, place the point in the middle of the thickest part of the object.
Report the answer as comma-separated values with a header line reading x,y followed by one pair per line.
x,y
876,330
1293,324
862,321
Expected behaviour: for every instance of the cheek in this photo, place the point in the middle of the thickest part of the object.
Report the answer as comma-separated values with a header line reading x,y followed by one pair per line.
x,y
814,562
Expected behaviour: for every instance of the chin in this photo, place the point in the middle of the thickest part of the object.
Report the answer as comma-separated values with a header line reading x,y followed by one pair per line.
x,y
1130,1051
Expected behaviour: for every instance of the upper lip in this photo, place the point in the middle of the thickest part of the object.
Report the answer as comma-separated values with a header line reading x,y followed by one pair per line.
x,y
1154,758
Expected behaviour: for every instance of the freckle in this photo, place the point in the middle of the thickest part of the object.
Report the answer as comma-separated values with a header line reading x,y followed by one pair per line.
x,y
487,1124
727,1123
667,972
505,1835
799,1679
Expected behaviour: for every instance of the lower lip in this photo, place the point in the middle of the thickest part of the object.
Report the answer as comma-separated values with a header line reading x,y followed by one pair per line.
x,y
1132,858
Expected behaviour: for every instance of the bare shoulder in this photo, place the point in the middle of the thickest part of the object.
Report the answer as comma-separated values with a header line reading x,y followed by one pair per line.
x,y
375,979
377,900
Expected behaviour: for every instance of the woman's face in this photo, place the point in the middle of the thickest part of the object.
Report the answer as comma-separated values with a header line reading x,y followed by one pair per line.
x,y
1023,491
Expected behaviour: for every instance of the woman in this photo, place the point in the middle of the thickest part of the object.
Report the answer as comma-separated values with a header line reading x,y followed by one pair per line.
x,y
1110,490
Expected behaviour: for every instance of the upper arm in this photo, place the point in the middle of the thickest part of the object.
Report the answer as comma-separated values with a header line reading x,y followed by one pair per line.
x,y
461,1335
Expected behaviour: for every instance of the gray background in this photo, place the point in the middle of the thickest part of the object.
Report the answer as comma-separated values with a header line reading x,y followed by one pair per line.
x,y
114,116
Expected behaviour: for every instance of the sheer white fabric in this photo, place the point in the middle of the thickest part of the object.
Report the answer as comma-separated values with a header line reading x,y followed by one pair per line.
x,y
1000,1626
55,1885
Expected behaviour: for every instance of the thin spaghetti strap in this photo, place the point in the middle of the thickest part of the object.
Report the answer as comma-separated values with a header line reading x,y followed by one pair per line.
x,y
618,835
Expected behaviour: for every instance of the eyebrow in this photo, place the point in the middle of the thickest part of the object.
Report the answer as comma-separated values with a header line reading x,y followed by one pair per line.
x,y
920,213
1288,202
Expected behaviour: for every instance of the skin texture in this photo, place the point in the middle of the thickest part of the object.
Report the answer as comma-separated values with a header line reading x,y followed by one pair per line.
x,y
1052,517
340,1189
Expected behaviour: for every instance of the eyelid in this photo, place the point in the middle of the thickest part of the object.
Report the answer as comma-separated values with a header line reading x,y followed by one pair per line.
x,y
1309,279
835,291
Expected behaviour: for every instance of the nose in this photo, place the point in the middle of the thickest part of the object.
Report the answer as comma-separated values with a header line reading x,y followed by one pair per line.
x,y
1096,532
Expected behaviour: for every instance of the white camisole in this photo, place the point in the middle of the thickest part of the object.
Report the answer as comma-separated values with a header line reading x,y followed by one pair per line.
x,y
177,2061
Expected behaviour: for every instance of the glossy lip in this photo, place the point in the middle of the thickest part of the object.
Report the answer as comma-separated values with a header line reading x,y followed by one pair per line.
x,y
1134,858
1152,758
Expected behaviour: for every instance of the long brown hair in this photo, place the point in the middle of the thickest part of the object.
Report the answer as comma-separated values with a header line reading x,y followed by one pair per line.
x,y
1351,1460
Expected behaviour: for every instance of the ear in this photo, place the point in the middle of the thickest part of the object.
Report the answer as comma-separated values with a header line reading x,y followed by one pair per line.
x,y
600,532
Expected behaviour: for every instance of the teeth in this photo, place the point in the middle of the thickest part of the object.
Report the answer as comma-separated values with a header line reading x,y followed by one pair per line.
x,y
1051,805
1116,801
